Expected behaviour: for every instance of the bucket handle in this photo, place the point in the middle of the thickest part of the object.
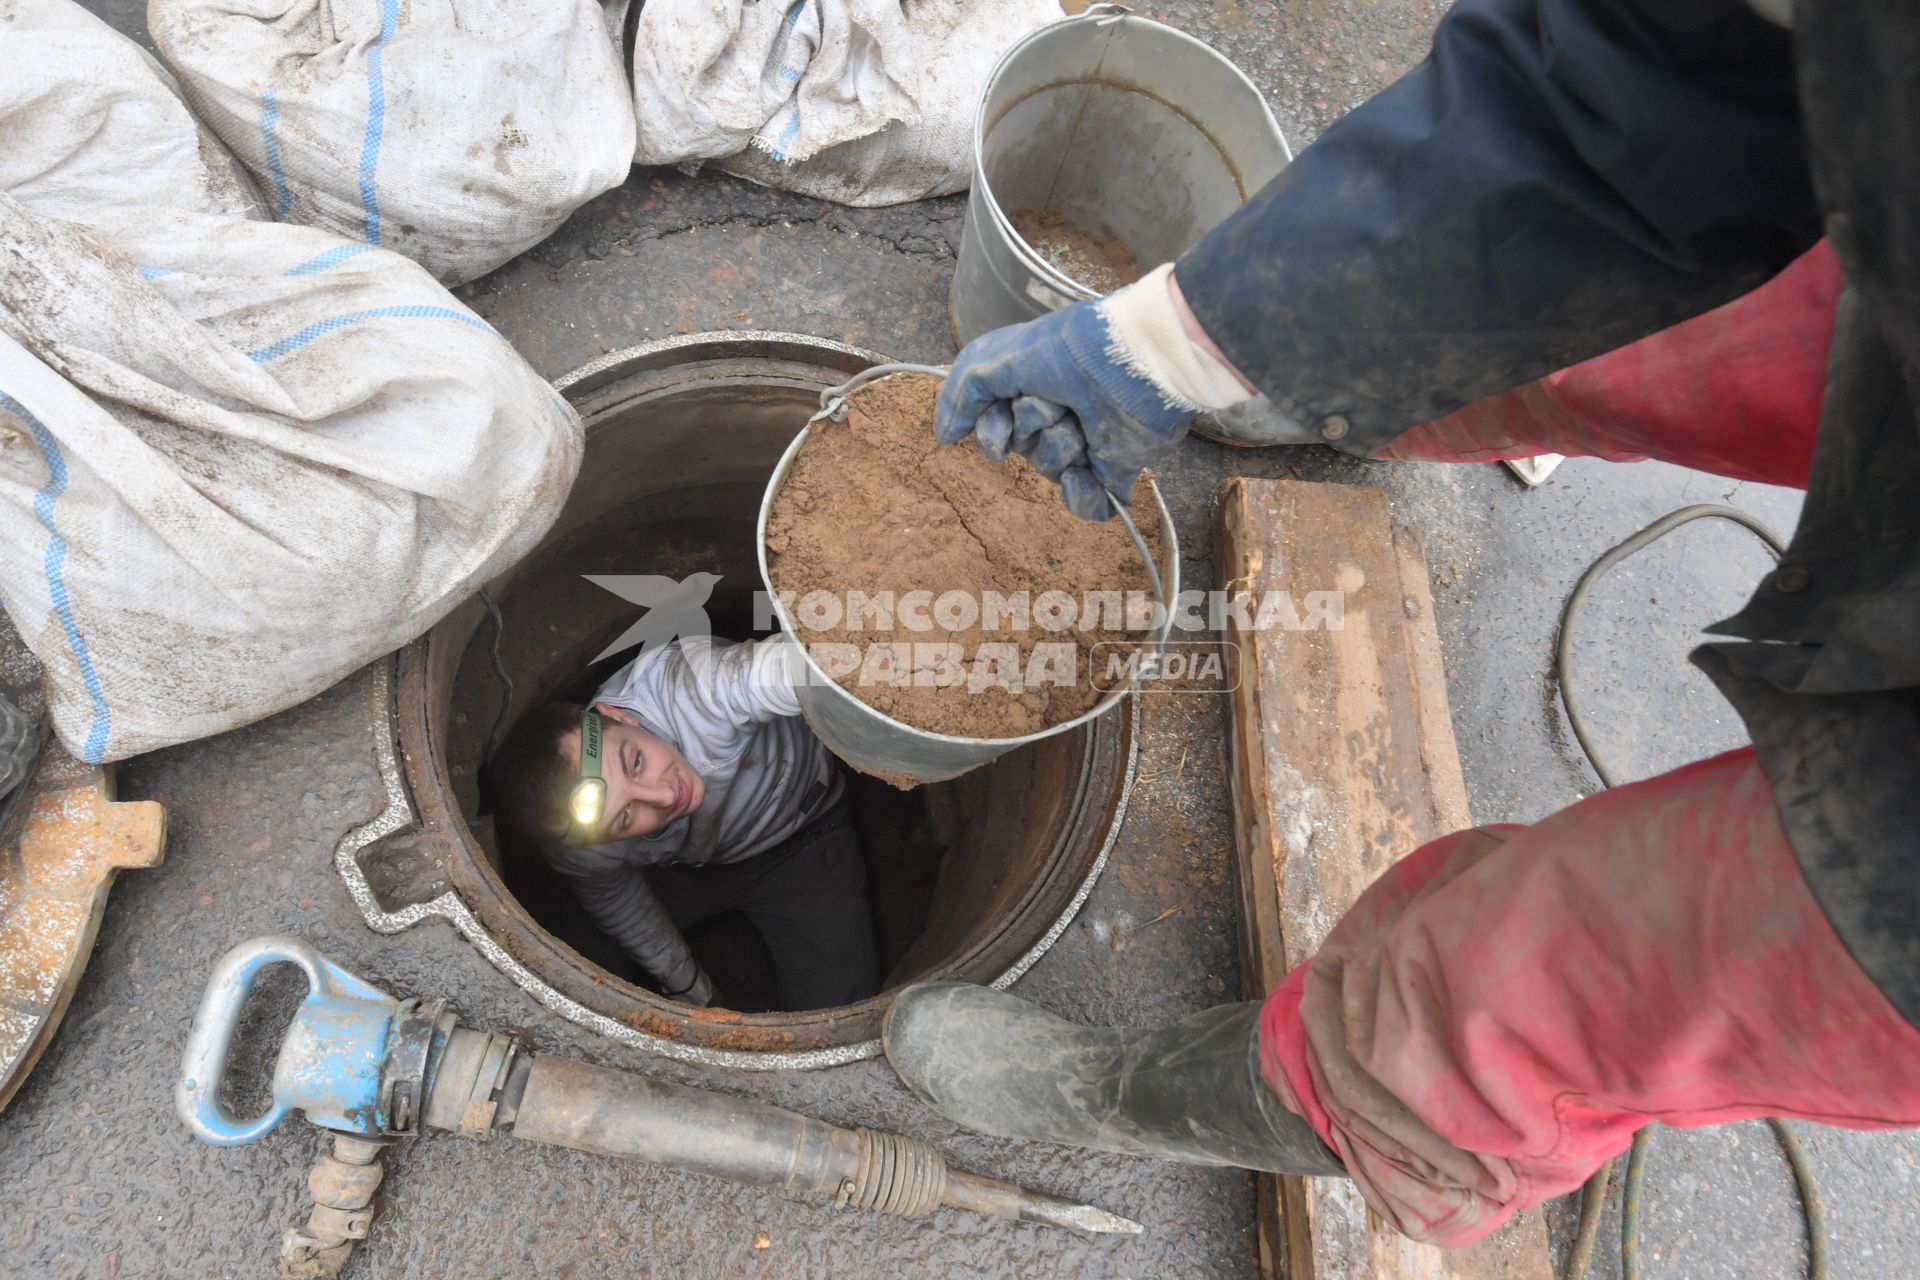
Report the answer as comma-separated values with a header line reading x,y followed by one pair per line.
x,y
833,407
1105,14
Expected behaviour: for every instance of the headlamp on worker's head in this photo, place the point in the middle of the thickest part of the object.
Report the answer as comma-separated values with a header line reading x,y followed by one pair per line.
x,y
587,802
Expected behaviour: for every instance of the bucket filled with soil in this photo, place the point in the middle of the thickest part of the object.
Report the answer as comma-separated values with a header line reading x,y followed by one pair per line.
x,y
949,607
1105,145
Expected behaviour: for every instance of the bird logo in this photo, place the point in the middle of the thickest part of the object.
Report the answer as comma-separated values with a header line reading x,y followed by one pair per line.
x,y
674,610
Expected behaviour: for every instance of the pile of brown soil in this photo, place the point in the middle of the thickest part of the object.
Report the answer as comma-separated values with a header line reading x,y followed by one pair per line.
x,y
1101,263
874,505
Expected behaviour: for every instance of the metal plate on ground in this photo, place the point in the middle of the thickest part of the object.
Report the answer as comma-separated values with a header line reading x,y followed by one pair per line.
x,y
64,842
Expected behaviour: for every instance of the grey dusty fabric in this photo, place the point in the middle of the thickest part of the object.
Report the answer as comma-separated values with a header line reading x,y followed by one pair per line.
x,y
730,710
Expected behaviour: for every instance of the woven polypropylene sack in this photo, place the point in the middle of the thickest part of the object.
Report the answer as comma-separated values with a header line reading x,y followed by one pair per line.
x,y
864,102
92,122
240,459
458,133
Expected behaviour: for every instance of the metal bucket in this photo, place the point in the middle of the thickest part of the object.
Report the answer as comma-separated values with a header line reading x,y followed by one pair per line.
x,y
1124,127
878,744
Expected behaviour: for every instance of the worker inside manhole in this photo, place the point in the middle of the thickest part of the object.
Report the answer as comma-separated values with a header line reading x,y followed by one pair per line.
x,y
686,788
727,858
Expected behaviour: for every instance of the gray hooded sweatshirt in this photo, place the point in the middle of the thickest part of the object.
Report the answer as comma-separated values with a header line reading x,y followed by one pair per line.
x,y
730,709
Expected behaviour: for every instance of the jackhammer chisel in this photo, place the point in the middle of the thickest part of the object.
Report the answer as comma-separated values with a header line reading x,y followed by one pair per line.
x,y
370,1068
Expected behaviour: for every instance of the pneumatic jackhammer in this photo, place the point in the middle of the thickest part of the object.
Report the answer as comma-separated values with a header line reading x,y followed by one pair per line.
x,y
370,1068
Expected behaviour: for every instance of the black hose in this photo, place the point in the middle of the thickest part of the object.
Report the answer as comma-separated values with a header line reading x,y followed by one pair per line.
x,y
1630,1204
1809,1197
1593,1201
1562,646
1593,1196
1812,1206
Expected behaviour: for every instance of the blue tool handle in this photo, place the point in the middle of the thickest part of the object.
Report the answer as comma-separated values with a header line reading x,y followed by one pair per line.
x,y
196,1095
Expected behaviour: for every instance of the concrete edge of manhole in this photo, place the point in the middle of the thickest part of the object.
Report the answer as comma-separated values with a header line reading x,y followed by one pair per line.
x,y
398,814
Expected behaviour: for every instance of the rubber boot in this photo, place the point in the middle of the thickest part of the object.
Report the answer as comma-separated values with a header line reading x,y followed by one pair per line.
x,y
1190,1092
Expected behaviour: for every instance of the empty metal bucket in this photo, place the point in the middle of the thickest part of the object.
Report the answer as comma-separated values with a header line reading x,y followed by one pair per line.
x,y
1125,127
878,744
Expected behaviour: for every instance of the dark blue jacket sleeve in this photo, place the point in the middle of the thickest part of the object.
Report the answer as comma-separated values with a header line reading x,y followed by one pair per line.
x,y
1556,179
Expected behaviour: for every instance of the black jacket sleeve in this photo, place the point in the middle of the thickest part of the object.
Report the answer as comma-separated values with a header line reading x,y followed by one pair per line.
x,y
1556,179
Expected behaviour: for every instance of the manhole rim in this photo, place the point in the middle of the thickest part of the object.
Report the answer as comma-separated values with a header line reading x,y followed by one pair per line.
x,y
488,915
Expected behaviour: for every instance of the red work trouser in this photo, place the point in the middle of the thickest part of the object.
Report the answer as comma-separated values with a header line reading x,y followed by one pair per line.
x,y
1499,1013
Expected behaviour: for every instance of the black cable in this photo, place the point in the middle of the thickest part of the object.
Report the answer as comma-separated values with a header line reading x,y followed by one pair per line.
x,y
1593,1196
1812,1206
1593,1202
1638,542
1809,1197
1630,1204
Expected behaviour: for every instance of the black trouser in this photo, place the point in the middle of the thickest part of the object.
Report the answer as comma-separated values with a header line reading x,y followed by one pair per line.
x,y
807,898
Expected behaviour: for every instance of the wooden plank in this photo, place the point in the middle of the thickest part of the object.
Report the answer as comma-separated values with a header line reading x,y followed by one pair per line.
x,y
1344,760
1439,751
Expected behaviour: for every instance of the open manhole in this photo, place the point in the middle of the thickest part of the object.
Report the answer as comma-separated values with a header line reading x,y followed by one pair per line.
x,y
970,879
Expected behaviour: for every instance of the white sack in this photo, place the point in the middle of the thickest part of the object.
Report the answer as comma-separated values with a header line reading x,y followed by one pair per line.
x,y
864,102
240,459
457,132
90,121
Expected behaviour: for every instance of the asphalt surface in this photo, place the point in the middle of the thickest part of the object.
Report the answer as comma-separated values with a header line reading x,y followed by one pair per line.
x,y
101,1181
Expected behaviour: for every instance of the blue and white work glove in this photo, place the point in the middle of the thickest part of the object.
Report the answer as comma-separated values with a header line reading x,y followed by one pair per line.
x,y
1089,394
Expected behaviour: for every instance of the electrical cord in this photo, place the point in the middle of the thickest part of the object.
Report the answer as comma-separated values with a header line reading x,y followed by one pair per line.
x,y
1630,1204
1638,542
1816,1208
1593,1202
1593,1196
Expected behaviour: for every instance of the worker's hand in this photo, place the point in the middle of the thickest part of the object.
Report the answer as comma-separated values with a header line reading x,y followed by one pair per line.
x,y
1089,394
